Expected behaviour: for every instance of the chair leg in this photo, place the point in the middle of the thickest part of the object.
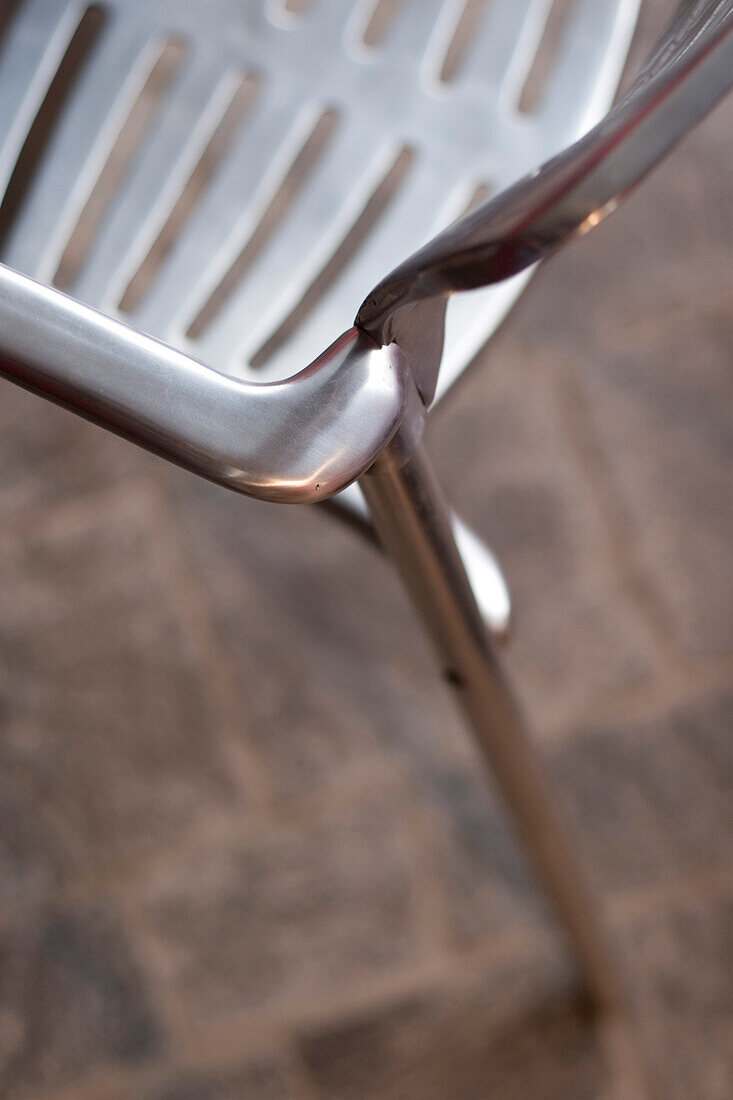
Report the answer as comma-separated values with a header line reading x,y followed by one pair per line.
x,y
411,517
483,570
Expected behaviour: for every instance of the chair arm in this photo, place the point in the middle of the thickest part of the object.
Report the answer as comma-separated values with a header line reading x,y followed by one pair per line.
x,y
295,441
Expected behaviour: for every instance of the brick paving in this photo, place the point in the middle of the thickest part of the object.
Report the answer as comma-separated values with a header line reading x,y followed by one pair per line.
x,y
245,849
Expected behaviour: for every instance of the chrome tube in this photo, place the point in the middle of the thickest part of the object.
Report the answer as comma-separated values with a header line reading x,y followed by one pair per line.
x,y
296,441
410,514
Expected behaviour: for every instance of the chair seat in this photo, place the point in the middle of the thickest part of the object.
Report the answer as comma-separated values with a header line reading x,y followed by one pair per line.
x,y
198,168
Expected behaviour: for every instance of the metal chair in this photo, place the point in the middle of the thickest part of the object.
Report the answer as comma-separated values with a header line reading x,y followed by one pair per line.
x,y
231,178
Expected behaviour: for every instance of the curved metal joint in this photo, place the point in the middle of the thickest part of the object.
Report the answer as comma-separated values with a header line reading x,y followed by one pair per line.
x,y
296,441
418,329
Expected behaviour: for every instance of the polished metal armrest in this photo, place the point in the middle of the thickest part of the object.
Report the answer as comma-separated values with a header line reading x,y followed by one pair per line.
x,y
296,441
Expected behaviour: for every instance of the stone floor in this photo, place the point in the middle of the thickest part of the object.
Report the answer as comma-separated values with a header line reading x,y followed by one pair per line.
x,y
245,847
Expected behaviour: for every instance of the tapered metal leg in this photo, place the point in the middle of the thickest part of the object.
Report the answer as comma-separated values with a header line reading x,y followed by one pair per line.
x,y
412,520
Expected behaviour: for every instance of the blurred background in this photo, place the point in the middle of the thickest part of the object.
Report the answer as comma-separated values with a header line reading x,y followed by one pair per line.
x,y
246,846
